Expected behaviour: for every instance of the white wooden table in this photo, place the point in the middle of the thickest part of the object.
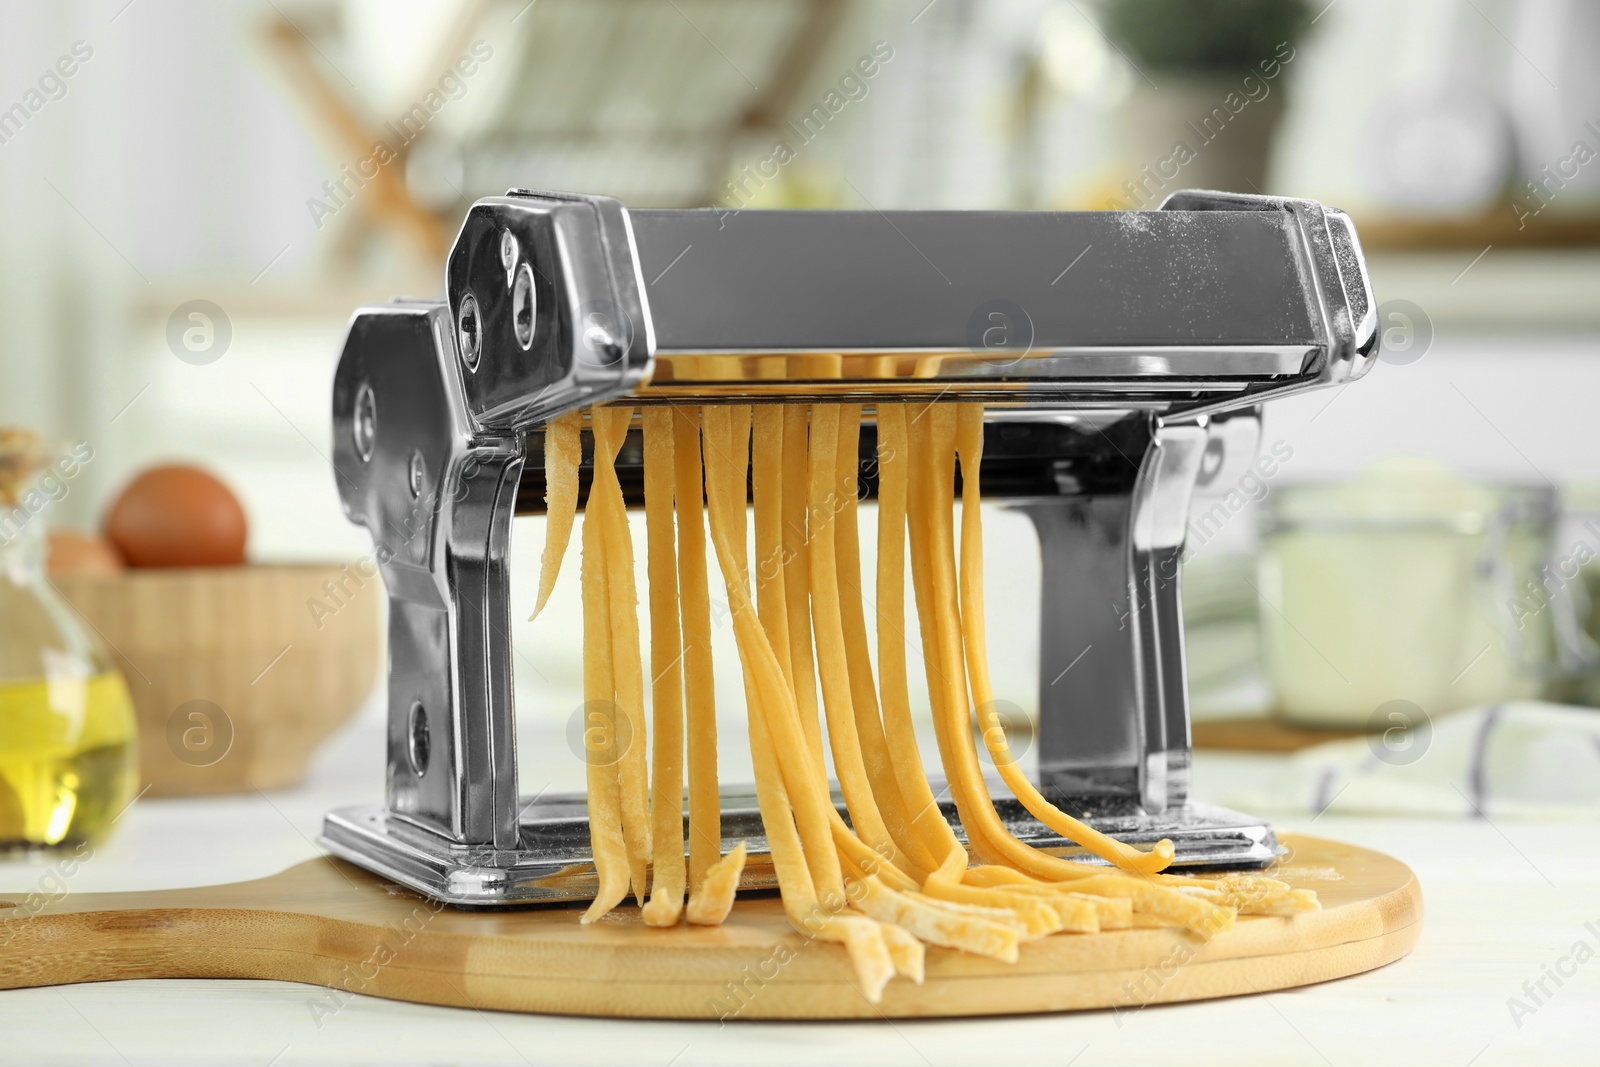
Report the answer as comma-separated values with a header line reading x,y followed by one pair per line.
x,y
1505,901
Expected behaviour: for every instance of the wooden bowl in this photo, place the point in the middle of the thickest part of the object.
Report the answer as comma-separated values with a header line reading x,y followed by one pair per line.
x,y
237,673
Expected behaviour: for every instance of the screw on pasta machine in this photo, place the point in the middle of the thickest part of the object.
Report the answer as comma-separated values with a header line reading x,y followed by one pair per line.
x,y
420,744
416,472
469,333
364,428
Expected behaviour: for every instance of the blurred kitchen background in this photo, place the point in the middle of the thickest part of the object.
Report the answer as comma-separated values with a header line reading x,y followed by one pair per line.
x,y
284,162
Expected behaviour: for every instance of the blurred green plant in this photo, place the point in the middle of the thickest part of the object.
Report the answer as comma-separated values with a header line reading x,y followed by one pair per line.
x,y
1203,36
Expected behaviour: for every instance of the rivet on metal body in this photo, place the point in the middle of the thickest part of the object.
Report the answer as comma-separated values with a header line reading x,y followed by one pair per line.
x,y
364,428
469,332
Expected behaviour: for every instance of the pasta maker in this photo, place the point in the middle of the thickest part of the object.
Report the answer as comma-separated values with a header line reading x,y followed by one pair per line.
x,y
1123,358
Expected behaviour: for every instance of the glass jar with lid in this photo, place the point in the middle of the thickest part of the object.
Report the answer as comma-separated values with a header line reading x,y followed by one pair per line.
x,y
1413,584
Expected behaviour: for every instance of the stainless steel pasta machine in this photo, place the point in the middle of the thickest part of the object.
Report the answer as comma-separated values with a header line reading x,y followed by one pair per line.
x,y
1123,356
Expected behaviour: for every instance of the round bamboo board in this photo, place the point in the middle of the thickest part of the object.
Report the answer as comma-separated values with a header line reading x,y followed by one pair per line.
x,y
327,923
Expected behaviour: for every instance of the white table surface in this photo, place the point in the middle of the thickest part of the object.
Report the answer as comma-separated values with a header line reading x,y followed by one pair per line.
x,y
1504,899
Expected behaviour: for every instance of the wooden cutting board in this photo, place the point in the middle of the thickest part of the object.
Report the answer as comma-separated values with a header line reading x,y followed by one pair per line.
x,y
327,923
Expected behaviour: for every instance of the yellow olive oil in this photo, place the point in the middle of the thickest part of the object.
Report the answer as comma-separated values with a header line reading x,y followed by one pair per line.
x,y
68,759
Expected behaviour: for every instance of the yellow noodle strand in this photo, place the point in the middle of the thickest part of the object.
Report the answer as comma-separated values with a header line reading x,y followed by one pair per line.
x,y
969,443
797,575
863,692
712,904
922,809
666,673
700,707
932,506
766,490
829,635
563,453
807,789
946,684
633,771
600,728
863,939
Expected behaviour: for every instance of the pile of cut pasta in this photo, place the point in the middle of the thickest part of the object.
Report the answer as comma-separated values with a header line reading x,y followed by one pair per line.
x,y
895,877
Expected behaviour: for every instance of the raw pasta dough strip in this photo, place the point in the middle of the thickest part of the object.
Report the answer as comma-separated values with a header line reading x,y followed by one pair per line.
x,y
600,717
1038,918
563,455
856,853
863,693
1113,913
700,708
733,444
766,491
977,934
767,453
1146,895
932,444
666,686
856,856
605,500
797,576
801,780
769,493
829,633
739,418
905,951
945,682
712,904
932,504
969,445
795,883
1164,903
894,460
1113,894
874,953
795,762
821,914
946,884
933,509
1249,894
908,959
777,817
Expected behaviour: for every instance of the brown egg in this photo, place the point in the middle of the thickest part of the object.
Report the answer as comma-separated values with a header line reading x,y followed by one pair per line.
x,y
78,553
177,516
